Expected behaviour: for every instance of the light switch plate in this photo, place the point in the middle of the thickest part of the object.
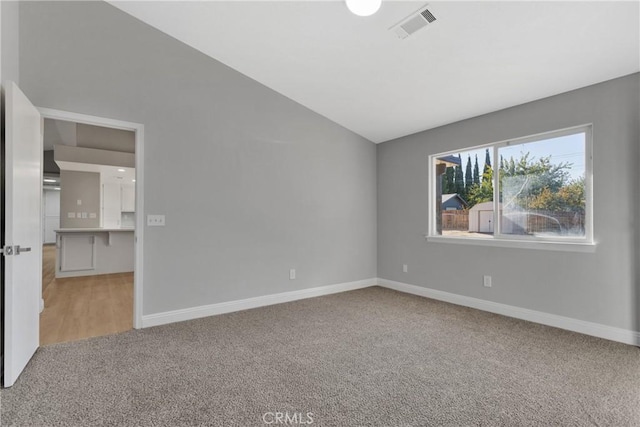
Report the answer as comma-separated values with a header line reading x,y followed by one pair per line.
x,y
155,220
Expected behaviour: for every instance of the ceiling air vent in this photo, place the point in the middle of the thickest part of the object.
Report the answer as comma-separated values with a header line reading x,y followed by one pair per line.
x,y
414,22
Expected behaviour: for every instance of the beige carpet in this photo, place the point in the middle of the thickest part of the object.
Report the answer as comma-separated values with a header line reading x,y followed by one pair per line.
x,y
368,357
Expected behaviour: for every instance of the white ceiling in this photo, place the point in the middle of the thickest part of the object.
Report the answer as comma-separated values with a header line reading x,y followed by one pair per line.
x,y
476,58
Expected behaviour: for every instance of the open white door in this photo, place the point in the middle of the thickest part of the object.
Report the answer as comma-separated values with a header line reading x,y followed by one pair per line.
x,y
23,233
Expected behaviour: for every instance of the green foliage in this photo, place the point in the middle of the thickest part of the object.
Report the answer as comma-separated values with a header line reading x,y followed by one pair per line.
x,y
476,173
526,183
458,178
539,184
482,192
542,173
487,162
468,178
569,198
448,185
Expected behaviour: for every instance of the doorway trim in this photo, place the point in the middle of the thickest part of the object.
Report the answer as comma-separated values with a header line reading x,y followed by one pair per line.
x,y
138,129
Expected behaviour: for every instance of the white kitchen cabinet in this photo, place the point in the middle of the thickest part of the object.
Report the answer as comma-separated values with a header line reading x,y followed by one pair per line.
x,y
50,214
77,252
128,198
111,201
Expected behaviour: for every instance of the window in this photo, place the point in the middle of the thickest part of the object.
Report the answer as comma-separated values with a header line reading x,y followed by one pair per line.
x,y
535,189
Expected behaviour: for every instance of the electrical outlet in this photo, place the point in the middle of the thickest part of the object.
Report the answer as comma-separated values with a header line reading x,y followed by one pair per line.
x,y
155,220
486,281
292,274
405,268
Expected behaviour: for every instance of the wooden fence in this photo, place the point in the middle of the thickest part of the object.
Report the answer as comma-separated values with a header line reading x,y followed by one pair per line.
x,y
539,221
455,220
529,223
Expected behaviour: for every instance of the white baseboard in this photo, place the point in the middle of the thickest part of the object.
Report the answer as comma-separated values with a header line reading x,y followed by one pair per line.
x,y
245,304
625,336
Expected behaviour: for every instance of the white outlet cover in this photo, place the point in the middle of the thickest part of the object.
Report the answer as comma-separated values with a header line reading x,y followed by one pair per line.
x,y
71,214
292,274
92,215
155,220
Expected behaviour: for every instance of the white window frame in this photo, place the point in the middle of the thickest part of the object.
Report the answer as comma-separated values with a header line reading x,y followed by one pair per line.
x,y
577,244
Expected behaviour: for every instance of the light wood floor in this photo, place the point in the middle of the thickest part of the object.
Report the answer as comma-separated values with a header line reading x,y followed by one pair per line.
x,y
83,307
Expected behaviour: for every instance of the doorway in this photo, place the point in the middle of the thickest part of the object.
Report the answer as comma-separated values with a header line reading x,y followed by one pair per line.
x,y
21,228
92,227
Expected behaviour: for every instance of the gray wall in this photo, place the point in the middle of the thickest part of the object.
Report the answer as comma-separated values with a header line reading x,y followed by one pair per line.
x,y
252,184
599,287
49,165
84,186
59,132
105,138
9,24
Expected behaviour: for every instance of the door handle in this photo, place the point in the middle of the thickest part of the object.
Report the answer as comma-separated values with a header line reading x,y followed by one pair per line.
x,y
19,250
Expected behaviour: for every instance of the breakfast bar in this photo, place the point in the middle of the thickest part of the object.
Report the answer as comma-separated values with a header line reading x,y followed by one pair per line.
x,y
93,251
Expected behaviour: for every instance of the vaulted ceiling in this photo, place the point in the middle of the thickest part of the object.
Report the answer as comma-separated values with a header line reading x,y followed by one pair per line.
x,y
477,57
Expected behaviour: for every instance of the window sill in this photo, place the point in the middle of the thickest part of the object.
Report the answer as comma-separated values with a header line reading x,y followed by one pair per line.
x,y
519,244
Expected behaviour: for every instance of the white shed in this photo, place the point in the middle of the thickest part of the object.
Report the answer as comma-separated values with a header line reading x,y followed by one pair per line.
x,y
481,218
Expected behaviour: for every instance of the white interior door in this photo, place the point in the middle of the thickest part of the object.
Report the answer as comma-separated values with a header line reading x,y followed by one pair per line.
x,y
23,233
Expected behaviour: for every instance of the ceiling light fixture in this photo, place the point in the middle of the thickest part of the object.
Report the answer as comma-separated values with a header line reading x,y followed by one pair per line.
x,y
364,7
121,170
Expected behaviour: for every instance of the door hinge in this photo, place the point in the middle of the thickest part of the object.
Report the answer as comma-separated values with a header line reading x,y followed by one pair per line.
x,y
7,250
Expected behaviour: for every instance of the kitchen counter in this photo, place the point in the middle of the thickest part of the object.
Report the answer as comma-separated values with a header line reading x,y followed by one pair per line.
x,y
95,230
92,230
93,251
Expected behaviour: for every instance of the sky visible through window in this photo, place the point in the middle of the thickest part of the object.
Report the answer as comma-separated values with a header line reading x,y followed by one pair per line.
x,y
564,149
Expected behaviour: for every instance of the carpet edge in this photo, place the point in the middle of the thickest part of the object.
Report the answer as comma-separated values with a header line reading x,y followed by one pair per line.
x,y
625,336
180,315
